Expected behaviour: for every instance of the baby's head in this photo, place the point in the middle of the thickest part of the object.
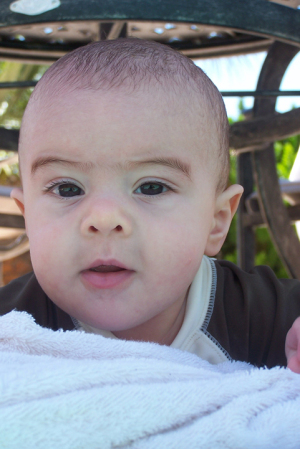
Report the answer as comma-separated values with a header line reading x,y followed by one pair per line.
x,y
124,163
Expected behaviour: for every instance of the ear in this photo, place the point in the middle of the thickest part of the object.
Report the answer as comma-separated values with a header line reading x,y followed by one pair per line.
x,y
18,195
226,205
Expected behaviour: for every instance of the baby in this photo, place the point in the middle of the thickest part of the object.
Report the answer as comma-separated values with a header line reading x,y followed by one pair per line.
x,y
124,163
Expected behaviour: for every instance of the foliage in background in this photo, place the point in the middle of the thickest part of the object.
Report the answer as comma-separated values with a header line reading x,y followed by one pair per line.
x,y
266,254
12,105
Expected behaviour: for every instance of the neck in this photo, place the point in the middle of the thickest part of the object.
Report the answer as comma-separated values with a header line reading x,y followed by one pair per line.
x,y
161,329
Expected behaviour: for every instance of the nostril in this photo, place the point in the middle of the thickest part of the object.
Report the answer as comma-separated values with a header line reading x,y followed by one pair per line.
x,y
93,229
119,228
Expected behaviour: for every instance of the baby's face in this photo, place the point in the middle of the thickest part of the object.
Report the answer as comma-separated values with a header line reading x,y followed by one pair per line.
x,y
117,224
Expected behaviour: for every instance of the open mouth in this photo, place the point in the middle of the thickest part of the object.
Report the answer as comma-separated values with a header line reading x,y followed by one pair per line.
x,y
107,275
107,269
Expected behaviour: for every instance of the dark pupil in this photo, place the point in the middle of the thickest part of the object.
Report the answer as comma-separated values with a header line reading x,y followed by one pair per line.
x,y
151,189
69,190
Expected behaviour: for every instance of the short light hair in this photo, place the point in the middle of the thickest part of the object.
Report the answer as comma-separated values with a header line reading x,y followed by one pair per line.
x,y
131,63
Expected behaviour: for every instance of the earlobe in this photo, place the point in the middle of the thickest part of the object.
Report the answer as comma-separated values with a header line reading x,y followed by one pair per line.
x,y
18,195
226,206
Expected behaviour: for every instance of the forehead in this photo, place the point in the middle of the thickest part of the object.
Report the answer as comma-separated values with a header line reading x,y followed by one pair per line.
x,y
145,120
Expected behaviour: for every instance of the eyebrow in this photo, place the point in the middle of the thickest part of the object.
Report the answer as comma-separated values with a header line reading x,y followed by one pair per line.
x,y
44,161
171,162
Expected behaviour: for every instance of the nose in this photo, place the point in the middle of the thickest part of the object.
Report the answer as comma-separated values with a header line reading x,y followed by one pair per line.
x,y
106,217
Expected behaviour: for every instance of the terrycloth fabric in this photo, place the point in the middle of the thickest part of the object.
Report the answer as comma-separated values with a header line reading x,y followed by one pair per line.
x,y
76,390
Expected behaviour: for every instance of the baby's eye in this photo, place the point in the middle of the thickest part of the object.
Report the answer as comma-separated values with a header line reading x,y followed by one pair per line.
x,y
152,188
68,190
65,189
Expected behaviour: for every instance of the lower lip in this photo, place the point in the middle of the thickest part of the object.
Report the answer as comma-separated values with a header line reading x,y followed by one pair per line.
x,y
106,280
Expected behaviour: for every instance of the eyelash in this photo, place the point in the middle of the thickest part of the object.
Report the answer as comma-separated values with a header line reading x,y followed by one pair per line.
x,y
51,187
159,183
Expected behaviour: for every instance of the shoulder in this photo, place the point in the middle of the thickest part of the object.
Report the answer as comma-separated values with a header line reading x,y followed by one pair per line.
x,y
15,293
253,312
258,293
260,279
25,294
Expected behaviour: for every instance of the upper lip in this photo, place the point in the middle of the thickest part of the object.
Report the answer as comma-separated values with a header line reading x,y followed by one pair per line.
x,y
108,262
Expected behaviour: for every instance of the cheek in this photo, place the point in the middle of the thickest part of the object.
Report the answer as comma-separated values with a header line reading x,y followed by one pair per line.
x,y
175,248
50,256
48,243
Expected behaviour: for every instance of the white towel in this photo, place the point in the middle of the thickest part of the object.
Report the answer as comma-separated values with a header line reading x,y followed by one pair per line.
x,y
74,390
